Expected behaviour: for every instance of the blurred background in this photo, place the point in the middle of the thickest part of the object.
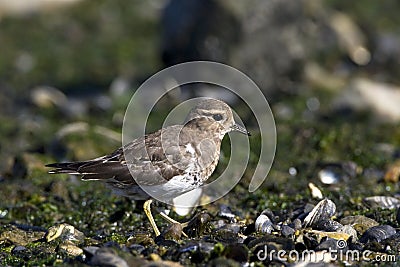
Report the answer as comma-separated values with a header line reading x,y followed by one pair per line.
x,y
75,63
329,69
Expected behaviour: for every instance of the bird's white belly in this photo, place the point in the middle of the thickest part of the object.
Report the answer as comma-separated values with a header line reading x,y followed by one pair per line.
x,y
175,187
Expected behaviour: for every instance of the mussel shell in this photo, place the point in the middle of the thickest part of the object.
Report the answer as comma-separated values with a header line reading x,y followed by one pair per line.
x,y
324,210
377,233
383,202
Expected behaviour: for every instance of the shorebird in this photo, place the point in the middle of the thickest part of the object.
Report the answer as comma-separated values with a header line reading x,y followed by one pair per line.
x,y
172,160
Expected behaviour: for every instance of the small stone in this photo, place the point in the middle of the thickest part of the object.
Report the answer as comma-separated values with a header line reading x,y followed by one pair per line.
x,y
18,249
398,216
287,231
315,191
297,225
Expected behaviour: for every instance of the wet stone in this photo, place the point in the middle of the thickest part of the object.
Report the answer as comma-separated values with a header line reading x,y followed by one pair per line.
x,y
297,225
236,252
198,225
20,237
270,241
228,233
104,257
224,262
136,249
287,231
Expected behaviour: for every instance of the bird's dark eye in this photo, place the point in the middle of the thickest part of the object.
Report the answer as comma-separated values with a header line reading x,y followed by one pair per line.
x,y
217,117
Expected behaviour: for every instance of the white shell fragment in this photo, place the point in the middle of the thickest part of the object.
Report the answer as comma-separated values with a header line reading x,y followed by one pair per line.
x,y
315,191
263,224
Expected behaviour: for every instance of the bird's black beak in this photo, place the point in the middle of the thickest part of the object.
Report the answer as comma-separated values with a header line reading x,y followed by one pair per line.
x,y
240,129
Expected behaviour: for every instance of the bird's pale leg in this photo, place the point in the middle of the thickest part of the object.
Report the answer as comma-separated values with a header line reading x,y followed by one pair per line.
x,y
169,219
147,210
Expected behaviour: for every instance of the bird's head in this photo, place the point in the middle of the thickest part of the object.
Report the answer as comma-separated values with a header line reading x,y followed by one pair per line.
x,y
217,111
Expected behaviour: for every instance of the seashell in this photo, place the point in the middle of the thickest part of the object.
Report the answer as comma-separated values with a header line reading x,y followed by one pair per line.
x,y
359,223
263,224
46,97
377,233
333,173
140,238
198,225
228,233
327,225
383,202
325,209
315,191
173,232
327,176
226,212
321,234
66,232
348,229
71,249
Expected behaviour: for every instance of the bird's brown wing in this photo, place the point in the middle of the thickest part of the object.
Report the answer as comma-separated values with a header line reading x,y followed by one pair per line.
x,y
151,162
